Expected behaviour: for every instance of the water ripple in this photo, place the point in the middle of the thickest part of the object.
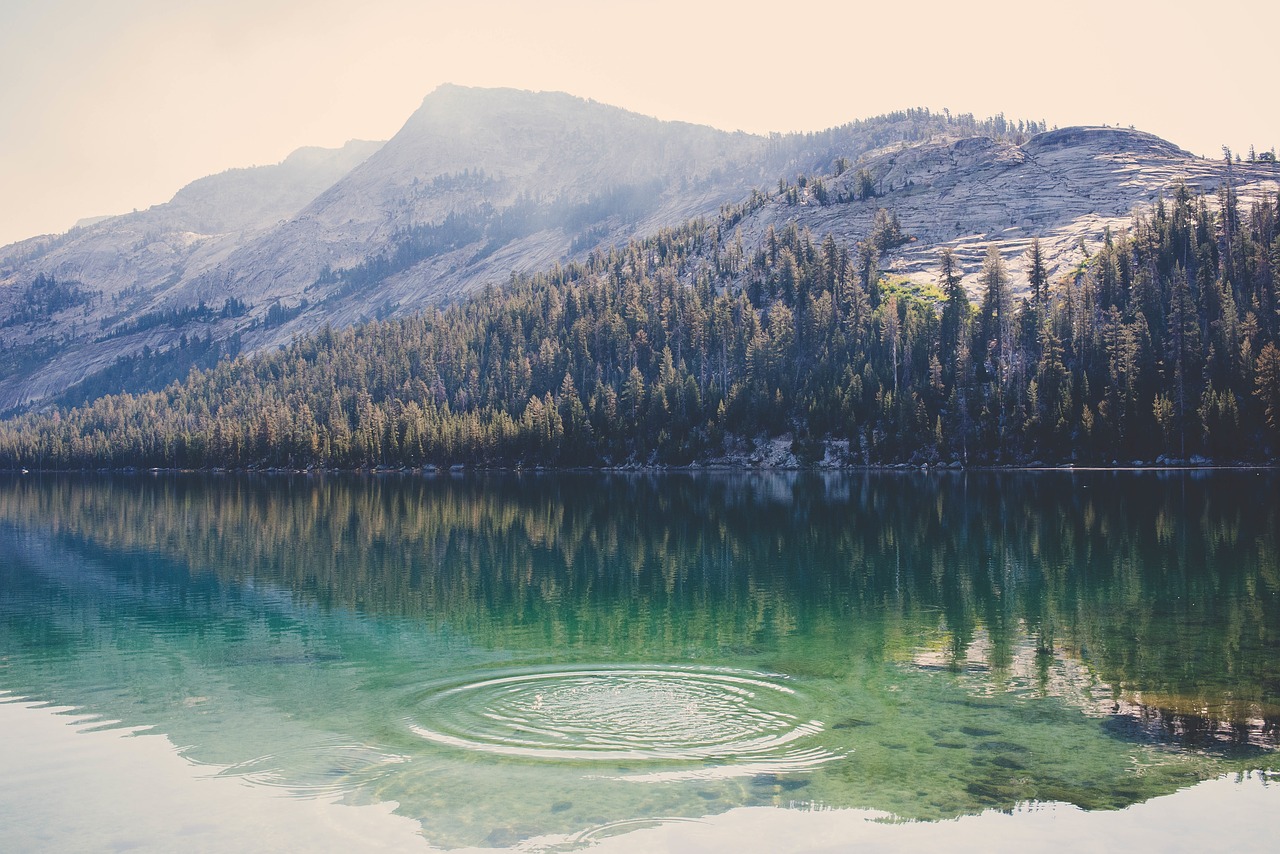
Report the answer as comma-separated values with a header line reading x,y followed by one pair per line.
x,y
331,768
624,714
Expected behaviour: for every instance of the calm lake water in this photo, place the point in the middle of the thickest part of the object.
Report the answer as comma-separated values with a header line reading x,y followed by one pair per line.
x,y
551,661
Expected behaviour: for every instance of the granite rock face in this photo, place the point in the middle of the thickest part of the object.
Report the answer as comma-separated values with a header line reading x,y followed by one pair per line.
x,y
1064,187
507,181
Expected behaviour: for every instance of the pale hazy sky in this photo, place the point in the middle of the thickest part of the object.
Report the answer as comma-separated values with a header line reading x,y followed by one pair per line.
x,y
109,105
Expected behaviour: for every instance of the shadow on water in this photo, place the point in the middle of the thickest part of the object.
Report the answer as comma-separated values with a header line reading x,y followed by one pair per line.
x,y
1236,738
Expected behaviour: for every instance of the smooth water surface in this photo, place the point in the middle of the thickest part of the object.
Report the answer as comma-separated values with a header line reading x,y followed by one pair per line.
x,y
546,661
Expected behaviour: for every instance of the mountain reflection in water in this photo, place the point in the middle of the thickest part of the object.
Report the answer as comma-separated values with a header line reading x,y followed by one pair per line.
x,y
488,651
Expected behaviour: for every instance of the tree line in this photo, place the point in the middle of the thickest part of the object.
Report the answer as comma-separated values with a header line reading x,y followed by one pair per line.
x,y
672,349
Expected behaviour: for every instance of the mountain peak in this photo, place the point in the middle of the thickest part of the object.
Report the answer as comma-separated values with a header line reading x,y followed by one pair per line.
x,y
447,98
352,152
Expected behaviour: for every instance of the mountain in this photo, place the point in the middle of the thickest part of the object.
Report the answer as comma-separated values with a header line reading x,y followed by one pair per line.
x,y
683,348
110,270
207,218
1067,187
480,183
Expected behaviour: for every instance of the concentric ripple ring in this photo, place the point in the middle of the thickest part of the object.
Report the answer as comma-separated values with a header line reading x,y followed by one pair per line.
x,y
613,714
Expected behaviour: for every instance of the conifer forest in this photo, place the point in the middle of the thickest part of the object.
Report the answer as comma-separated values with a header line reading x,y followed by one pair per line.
x,y
683,347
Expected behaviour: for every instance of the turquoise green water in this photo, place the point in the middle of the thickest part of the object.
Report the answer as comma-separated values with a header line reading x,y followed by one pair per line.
x,y
557,658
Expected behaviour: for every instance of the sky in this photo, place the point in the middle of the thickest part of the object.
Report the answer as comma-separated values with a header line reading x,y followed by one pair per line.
x,y
110,106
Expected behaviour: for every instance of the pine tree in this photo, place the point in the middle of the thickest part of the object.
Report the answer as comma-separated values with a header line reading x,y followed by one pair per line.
x,y
1037,275
996,313
1183,360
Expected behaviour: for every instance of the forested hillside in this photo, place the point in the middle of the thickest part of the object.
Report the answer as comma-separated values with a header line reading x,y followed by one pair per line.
x,y
676,349
477,183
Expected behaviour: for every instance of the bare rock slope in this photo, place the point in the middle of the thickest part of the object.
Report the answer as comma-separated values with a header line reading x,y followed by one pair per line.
x,y
1065,187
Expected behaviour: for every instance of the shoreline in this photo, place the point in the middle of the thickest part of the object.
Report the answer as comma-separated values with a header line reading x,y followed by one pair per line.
x,y
459,469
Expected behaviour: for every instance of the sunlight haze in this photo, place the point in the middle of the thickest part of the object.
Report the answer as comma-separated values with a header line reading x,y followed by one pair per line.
x,y
111,107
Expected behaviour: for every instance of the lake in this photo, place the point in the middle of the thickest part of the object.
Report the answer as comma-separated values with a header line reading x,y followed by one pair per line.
x,y
769,661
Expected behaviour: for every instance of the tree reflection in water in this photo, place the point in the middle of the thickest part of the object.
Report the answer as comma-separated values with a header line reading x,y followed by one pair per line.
x,y
1147,602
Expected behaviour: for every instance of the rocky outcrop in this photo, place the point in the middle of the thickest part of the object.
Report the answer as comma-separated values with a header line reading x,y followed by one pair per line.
x,y
1065,187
